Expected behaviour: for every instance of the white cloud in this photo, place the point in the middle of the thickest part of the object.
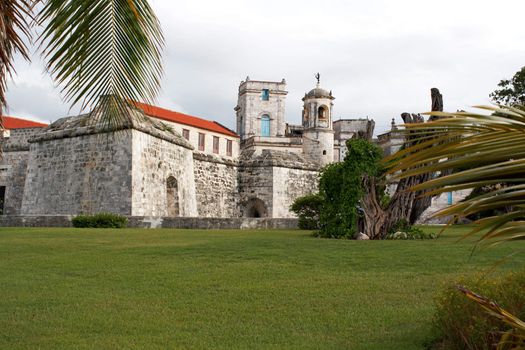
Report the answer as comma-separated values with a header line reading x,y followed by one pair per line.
x,y
380,58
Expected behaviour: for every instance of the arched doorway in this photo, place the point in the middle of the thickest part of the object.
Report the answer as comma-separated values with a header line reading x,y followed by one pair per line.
x,y
172,197
255,208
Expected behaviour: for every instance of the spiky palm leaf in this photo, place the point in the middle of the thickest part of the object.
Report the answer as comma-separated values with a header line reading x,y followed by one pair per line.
x,y
514,339
98,48
475,150
14,33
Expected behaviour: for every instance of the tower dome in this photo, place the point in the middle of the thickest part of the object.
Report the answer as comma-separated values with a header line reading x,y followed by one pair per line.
x,y
318,92
318,136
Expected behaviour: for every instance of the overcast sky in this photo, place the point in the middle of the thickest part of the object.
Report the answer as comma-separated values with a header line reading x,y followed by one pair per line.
x,y
380,58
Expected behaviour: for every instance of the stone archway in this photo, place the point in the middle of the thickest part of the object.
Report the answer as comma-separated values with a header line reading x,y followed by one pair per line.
x,y
172,197
255,208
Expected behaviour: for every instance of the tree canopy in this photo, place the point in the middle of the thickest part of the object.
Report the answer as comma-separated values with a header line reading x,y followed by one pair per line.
x,y
511,91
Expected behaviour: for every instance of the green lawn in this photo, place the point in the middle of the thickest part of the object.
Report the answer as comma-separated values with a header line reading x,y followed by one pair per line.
x,y
194,289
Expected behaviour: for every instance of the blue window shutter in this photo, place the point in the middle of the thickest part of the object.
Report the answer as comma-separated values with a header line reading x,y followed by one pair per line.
x,y
265,125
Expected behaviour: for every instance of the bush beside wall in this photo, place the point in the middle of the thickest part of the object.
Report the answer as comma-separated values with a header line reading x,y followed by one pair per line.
x,y
100,220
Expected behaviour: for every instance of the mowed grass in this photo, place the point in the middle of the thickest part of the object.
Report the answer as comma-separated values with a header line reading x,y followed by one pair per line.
x,y
195,289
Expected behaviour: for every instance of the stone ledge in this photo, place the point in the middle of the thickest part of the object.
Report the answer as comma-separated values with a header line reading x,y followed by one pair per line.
x,y
157,222
214,159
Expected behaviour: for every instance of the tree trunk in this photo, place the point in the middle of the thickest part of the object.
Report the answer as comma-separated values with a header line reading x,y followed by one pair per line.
x,y
405,204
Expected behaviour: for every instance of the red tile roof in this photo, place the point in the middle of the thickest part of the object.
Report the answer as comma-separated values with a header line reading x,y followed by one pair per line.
x,y
17,123
176,117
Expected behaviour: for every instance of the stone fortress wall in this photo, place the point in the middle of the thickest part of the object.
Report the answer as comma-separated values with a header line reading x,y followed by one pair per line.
x,y
13,168
148,168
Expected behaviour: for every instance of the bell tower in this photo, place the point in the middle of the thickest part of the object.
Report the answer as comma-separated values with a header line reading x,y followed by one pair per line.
x,y
318,136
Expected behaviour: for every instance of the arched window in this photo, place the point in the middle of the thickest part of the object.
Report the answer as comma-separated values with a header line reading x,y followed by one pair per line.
x,y
321,112
265,125
172,197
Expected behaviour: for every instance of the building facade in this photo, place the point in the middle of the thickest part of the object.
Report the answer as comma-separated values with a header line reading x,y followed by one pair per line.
x,y
162,163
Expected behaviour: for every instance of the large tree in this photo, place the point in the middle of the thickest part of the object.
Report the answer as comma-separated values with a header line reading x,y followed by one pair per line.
x,y
511,91
92,48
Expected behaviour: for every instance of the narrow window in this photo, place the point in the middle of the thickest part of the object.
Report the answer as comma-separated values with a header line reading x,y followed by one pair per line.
x,y
449,198
229,146
265,125
201,141
265,96
2,199
186,134
172,197
215,144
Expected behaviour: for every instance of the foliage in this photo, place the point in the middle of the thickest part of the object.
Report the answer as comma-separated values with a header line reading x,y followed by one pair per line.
x,y
491,151
93,48
308,208
402,230
461,324
512,91
100,220
479,191
341,187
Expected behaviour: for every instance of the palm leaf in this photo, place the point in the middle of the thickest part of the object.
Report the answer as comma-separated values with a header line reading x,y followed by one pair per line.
x,y
514,338
14,28
97,48
472,150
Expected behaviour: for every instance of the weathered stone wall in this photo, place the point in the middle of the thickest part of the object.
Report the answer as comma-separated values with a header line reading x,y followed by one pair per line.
x,y
154,161
13,167
81,174
217,186
157,222
345,129
318,146
255,184
18,139
289,184
275,178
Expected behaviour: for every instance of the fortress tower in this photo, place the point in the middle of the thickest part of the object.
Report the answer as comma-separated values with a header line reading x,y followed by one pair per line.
x,y
318,136
260,109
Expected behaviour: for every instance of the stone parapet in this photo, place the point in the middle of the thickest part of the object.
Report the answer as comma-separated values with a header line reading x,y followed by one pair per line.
x,y
273,158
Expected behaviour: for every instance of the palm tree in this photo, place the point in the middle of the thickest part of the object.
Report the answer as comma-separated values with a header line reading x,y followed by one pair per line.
x,y
474,150
92,48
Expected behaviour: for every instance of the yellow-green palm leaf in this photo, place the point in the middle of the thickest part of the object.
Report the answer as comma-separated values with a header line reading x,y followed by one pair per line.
x,y
474,150
100,48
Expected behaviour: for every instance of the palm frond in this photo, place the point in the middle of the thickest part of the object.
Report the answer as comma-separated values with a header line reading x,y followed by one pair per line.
x,y
512,339
15,32
97,48
472,150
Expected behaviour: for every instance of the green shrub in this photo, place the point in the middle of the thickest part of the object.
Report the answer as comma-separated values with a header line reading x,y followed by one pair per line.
x,y
341,185
100,220
307,209
403,230
460,323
